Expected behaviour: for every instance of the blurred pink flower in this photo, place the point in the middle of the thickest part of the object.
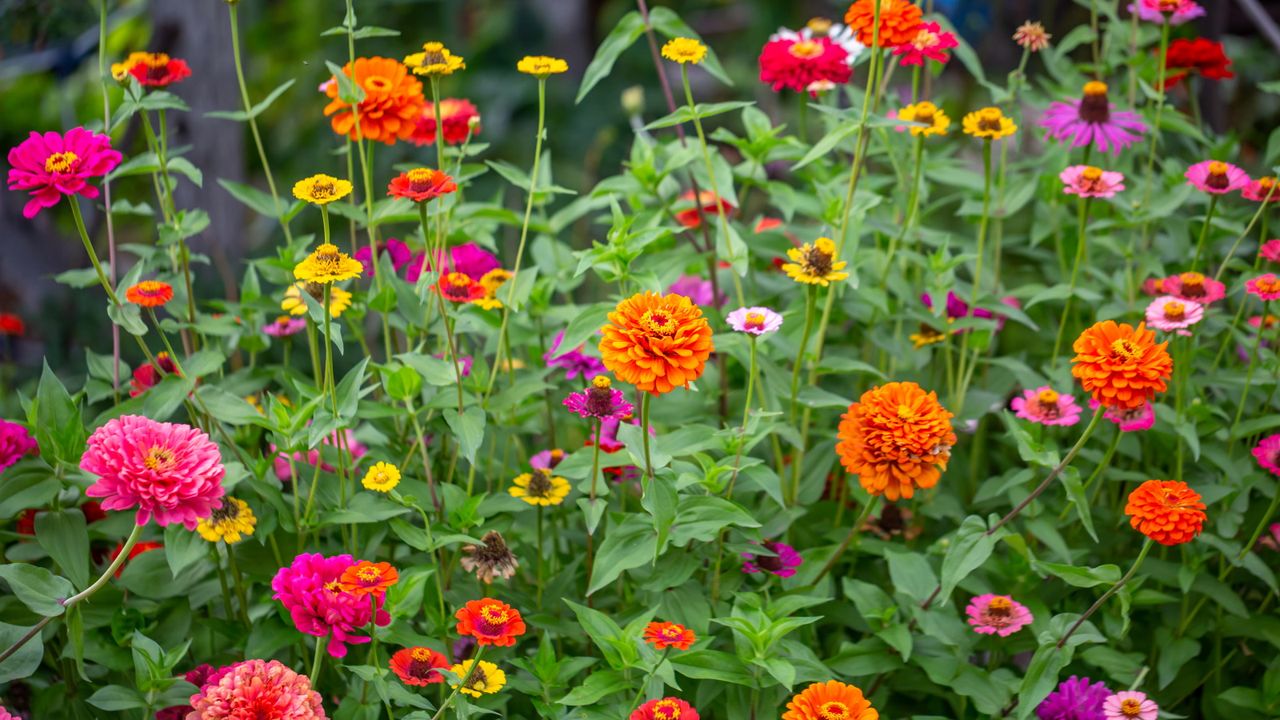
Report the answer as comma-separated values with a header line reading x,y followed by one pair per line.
x,y
1183,11
15,441
1091,182
1046,406
1172,314
1216,177
997,615
1131,420
755,320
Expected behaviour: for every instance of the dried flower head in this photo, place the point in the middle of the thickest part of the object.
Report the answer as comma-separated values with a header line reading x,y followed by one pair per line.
x,y
1032,36
490,559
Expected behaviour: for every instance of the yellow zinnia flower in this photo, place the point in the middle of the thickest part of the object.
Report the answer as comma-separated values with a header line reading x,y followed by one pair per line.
x,y
321,189
326,264
484,680
541,66
540,488
231,523
293,304
929,114
491,282
684,50
434,60
815,264
989,124
382,477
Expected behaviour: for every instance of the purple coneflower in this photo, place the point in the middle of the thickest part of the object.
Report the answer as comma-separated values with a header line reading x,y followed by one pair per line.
x,y
1219,178
600,401
1091,119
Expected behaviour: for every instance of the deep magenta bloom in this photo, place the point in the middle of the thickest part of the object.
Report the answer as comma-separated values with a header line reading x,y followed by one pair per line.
x,y
997,615
957,308
700,291
930,42
600,401
1268,454
15,441
1092,120
399,253
1219,178
168,471
781,560
1077,698
468,258
1047,407
1261,190
1131,420
1184,11
51,165
256,689
308,589
574,362
795,60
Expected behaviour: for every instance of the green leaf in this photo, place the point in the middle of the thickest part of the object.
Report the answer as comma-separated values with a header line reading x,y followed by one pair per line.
x,y
258,201
597,686
113,698
823,147
712,665
55,420
402,383
704,110
65,536
585,324
1041,677
1076,496
436,371
970,547
1084,577
26,659
348,91
256,110
624,35
602,630
627,546
468,429
910,573
183,547
40,590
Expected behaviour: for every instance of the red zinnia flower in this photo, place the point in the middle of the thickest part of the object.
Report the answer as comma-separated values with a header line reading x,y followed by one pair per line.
x,y
11,324
710,204
152,69
459,287
459,117
665,709
1202,56
421,184
662,635
148,375
490,622
794,61
418,665
149,293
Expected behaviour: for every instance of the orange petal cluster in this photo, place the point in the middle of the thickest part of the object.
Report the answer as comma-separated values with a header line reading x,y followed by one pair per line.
x,y
656,342
490,622
391,107
1122,367
896,438
899,21
662,635
1167,511
831,700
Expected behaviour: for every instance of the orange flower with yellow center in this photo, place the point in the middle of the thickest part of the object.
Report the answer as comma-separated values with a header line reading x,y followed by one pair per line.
x,y
391,106
831,700
1121,366
1167,511
662,635
656,342
899,22
365,578
149,293
896,438
490,622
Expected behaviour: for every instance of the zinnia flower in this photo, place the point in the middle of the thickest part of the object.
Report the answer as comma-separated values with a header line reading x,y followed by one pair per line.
x,y
1167,511
1175,12
780,559
1192,286
815,264
435,60
830,700
656,342
490,622
168,471
1032,36
1129,419
547,459
899,22
705,203
935,122
284,326
390,108
460,288
15,441
258,689
468,258
1268,454
1262,190
231,523
1200,56
1266,287
930,42
418,666
755,320
149,293
151,69
668,708
574,362
492,282
399,253
540,487
1171,314
896,438
1093,120
700,291
321,189
460,118
339,299
382,477
795,60
662,635
1090,182
1077,698
989,124
541,66
1121,366
599,401
11,324
50,165
1046,406
484,679
309,590
1216,177
684,50
492,558
149,374
326,264
368,578
997,615
421,185
1130,705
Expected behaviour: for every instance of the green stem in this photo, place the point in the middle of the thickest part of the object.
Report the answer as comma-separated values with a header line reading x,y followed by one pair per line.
x,y
635,702
912,204
1204,231
855,533
644,432
1260,214
253,124
1082,222
1146,548
1155,128
238,580
315,660
1255,358
800,352
88,248
462,683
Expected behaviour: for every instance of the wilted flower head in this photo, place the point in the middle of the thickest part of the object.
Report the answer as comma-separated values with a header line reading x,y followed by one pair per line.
x,y
490,559
1032,36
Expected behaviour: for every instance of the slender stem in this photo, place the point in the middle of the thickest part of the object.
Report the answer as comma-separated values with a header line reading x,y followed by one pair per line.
x,y
595,472
1255,358
1097,471
88,248
1262,525
17,645
1146,548
912,205
1155,127
855,533
644,431
422,447
800,352
962,373
315,660
540,554
1082,223
107,574
1259,214
106,191
1204,231
238,580
635,702
253,124
461,684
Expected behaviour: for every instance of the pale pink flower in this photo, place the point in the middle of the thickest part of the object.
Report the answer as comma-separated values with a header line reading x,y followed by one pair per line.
x,y
1091,182
755,320
1219,178
997,615
1047,407
256,689
1130,705
1172,314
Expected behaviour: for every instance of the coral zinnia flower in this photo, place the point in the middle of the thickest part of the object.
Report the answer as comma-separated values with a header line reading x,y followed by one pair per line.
x,y
930,42
1172,314
896,438
1262,190
365,578
1119,365
326,264
1201,56
339,299
1092,120
684,50
149,374
662,635
421,185
899,22
1046,406
540,488
935,121
51,165
1091,182
435,60
149,293
1077,698
831,700
1267,454
1174,12
815,264
389,110
258,689
1192,286
781,561
1167,511
795,60
382,477
1032,36
321,189
460,118
656,342
459,287
15,442
230,523
1130,705
541,66
484,679
1266,287
418,666
492,558
151,69
668,708
989,124
754,320
705,203
490,622
168,471
599,401
308,589
1216,177
11,324
997,615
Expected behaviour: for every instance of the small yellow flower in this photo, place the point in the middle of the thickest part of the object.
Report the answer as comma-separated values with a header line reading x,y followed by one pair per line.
x,y
541,66
989,124
492,282
326,264
231,523
486,679
435,60
926,336
339,299
929,114
684,50
321,189
382,477
540,488
815,264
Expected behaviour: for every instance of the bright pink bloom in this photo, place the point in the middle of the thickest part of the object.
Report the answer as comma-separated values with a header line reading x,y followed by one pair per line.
x,y
1216,177
1046,406
1131,420
1266,287
1091,182
1183,11
51,165
794,62
930,42
460,118
309,591
168,471
1262,190
399,253
997,615
1172,314
468,258
1268,454
700,291
15,441
256,689
1193,286
1130,705
1270,251
574,362
599,401
755,320
6,715
284,326
1094,120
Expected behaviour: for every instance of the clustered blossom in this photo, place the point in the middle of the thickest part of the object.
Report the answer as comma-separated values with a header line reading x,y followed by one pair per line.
x,y
310,591
258,689
15,441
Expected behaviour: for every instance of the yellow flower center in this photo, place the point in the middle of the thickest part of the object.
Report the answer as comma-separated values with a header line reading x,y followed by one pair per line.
x,y
377,84
925,112
421,179
806,49
1125,350
1218,169
368,574
1130,707
322,190
672,633
494,615
819,25
1267,284
1092,174
925,39
1174,310
754,320
905,412
1265,183
420,654
332,586
600,382
1192,283
1000,605
834,710
666,710
659,322
1048,397
459,280
159,458
62,162
380,477
1094,87
433,53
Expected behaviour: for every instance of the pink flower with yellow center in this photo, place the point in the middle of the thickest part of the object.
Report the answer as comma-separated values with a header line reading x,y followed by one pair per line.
x,y
1129,419
997,615
1130,705
1270,251
1216,177
1092,120
930,42
755,320
1172,314
1087,181
1046,406
600,401
1266,287
1262,190
1193,286
1174,12
51,165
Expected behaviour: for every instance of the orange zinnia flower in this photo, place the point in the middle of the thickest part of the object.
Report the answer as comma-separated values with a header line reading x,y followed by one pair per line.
x,y
421,184
365,578
655,342
662,635
1122,367
899,21
418,665
392,103
490,622
896,438
149,293
831,700
459,287
1166,511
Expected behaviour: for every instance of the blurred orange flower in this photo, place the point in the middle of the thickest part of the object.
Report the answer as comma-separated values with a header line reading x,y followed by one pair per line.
x,y
656,342
896,438
1121,366
899,21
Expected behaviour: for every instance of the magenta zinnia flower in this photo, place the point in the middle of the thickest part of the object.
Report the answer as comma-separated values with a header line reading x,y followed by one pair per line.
x,y
997,615
781,560
930,42
257,689
468,258
1270,251
284,326
15,441
308,589
1179,11
547,459
1077,698
755,320
1261,190
575,362
600,401
700,291
1172,314
1091,182
1046,406
168,471
1130,705
1131,420
1266,287
399,253
1219,178
795,60
1268,454
1092,119
51,165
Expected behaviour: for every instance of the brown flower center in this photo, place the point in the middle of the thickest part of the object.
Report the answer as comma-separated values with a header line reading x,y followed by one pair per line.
x,y
817,262
322,190
1192,284
61,162
1094,107
228,511
540,485
989,119
1217,178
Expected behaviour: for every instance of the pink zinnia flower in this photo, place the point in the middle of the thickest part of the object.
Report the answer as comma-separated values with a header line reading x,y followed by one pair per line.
x,y
600,401
795,60
930,41
468,258
1193,286
1219,178
1172,314
399,253
168,471
15,441
1091,182
1046,406
1131,420
1262,190
1130,705
547,459
6,715
51,165
1270,251
257,689
997,615
780,559
284,326
1268,454
1093,119
700,291
574,362
1182,11
1266,287
309,591
755,320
